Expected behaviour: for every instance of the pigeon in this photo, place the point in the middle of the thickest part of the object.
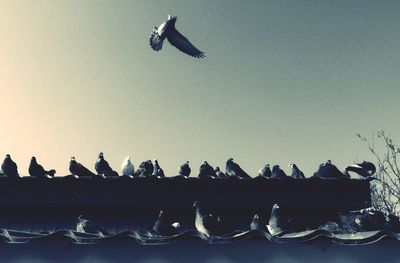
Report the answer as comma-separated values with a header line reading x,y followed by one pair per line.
x,y
127,167
103,168
9,167
206,170
364,169
257,223
164,225
233,169
184,169
158,171
168,30
296,173
37,170
209,224
78,169
145,169
86,226
277,172
282,220
265,171
218,173
329,170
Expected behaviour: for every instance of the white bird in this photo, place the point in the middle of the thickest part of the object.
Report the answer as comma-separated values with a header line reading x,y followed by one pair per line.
x,y
127,167
168,30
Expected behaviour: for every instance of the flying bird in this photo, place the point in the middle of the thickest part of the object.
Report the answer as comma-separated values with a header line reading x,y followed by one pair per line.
x,y
9,167
184,169
168,30
233,169
37,170
296,172
127,167
78,169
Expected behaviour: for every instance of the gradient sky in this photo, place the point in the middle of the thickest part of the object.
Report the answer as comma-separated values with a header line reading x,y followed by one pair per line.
x,y
283,81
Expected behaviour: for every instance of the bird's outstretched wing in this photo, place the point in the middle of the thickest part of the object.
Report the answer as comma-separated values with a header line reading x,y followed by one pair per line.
x,y
182,43
155,40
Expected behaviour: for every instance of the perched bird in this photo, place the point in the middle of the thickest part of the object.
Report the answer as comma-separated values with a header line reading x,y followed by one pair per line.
x,y
158,171
145,169
78,169
282,220
277,172
329,170
257,223
9,167
265,171
86,226
209,224
364,169
165,226
296,173
168,30
127,167
37,170
103,168
218,173
206,170
184,169
233,169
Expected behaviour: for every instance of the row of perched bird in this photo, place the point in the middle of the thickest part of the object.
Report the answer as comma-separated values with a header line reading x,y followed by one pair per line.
x,y
149,168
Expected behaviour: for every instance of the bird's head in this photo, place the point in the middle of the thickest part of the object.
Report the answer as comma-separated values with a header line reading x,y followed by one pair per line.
x,y
33,159
173,18
101,155
196,204
230,160
291,165
8,156
73,159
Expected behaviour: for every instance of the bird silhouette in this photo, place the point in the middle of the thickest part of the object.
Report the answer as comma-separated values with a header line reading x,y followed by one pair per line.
x,y
9,167
127,167
103,168
206,170
37,170
277,172
329,170
364,169
158,171
233,169
265,171
209,224
78,169
184,169
218,173
165,226
296,173
145,169
168,30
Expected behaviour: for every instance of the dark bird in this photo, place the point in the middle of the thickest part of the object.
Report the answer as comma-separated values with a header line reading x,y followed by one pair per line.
x,y
364,169
168,30
78,169
184,169
233,169
218,173
206,170
165,226
329,170
265,171
209,224
257,223
103,168
296,173
9,167
157,170
127,167
282,220
145,169
277,172
86,226
37,170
